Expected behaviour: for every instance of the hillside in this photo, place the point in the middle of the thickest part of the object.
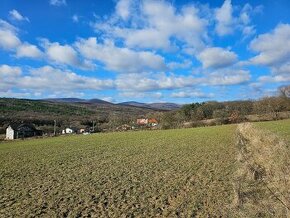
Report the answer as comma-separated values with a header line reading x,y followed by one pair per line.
x,y
66,111
157,106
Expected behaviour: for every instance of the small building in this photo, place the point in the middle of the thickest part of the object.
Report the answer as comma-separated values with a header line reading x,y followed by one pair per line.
x,y
23,130
82,130
152,122
149,122
142,121
69,130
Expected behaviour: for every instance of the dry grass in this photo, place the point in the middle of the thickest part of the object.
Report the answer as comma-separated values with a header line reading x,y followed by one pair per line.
x,y
263,177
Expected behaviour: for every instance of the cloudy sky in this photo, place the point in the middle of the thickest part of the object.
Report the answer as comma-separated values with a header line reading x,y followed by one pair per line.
x,y
144,50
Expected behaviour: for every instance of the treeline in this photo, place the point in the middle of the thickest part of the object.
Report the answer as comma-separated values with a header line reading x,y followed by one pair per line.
x,y
216,113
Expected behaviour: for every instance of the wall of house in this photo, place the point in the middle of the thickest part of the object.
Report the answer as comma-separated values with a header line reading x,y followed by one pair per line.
x,y
68,131
9,133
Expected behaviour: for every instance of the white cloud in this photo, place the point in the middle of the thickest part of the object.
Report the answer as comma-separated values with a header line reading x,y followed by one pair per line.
x,y
15,15
273,47
8,36
135,95
9,41
123,8
28,50
248,31
145,38
50,79
283,69
157,25
9,71
273,51
228,77
9,76
191,94
118,59
12,94
216,57
153,81
225,19
57,2
275,78
180,65
64,54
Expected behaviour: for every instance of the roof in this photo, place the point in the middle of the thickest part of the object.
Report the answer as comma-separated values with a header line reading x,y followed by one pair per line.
x,y
152,120
17,126
72,128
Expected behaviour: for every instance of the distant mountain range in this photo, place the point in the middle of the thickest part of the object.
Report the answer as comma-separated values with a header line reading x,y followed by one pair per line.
x,y
77,100
158,106
155,106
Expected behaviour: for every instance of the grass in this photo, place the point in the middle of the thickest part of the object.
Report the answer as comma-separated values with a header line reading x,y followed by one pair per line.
x,y
186,172
281,127
200,172
263,175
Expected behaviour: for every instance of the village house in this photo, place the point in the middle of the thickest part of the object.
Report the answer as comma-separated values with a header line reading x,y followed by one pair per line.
x,y
142,121
69,130
148,122
23,130
152,122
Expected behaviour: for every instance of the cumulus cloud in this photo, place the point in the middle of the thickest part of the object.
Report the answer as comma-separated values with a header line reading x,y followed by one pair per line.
x,y
123,8
9,71
273,47
50,79
28,50
228,77
64,54
180,65
118,59
216,57
8,76
57,2
161,81
15,15
191,94
9,41
275,78
227,21
154,24
152,82
8,36
135,95
273,50
224,18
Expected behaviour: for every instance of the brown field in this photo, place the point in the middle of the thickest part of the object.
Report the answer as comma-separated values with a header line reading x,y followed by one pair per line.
x,y
174,173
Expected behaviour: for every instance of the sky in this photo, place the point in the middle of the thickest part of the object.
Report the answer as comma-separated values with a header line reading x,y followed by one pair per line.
x,y
180,51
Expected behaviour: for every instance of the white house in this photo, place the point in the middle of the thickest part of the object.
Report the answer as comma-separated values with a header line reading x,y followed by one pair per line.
x,y
9,133
24,130
69,130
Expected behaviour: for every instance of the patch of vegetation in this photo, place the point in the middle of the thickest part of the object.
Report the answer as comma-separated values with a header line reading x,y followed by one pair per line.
x,y
172,173
10,105
281,128
263,175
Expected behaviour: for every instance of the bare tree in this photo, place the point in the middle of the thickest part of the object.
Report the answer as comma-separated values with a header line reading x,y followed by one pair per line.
x,y
285,91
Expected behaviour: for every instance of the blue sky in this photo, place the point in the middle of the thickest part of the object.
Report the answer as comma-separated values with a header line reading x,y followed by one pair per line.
x,y
144,50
